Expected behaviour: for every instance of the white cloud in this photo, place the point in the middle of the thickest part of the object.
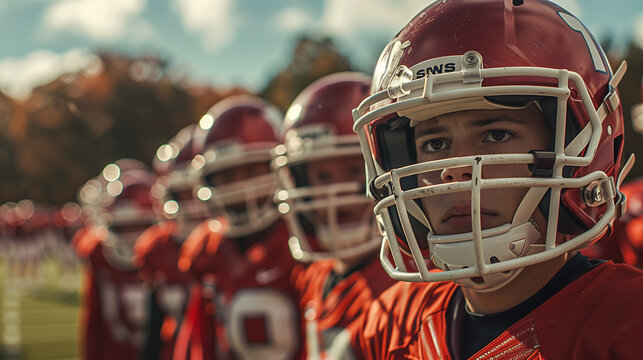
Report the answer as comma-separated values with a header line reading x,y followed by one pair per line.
x,y
101,20
380,16
293,19
213,20
18,76
638,30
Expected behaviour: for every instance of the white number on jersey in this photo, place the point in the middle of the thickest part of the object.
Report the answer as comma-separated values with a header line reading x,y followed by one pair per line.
x,y
263,325
133,301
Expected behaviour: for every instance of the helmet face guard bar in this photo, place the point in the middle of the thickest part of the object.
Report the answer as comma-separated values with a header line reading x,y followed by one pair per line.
x,y
253,197
337,242
450,92
295,203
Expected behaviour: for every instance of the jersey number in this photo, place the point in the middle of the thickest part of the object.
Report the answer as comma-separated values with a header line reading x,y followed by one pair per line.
x,y
263,325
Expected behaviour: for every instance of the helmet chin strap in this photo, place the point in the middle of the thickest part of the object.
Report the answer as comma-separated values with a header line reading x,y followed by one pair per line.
x,y
502,243
493,282
343,236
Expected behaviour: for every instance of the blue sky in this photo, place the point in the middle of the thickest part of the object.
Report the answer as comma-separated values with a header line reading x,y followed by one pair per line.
x,y
224,42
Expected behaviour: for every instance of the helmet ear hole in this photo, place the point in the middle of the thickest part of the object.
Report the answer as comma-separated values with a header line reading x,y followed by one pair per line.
x,y
494,260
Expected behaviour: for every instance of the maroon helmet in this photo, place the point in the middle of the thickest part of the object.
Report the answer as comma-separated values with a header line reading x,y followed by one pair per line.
x,y
175,188
169,151
486,55
127,211
235,171
333,219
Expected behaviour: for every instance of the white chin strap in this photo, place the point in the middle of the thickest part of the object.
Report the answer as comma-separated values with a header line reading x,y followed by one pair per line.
x,y
344,237
502,243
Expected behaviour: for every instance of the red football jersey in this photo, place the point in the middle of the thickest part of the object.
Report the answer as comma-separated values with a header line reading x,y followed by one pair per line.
x,y
115,305
327,317
246,295
156,255
598,316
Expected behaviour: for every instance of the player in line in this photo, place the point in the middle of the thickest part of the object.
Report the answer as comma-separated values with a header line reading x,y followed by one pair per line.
x,y
330,219
493,139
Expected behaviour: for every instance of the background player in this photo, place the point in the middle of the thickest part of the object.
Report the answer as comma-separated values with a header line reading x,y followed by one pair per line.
x,y
501,128
114,310
157,249
241,259
330,219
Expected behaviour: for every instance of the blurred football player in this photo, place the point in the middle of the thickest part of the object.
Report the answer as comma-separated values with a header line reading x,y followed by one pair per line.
x,y
240,258
156,250
115,304
493,139
330,218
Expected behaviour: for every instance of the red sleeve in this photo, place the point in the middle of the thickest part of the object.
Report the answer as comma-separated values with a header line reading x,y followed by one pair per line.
x,y
76,239
150,238
86,240
195,253
146,244
192,247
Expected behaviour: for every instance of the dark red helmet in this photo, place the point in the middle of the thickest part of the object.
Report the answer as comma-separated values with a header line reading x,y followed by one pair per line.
x,y
169,151
485,55
235,174
319,126
175,189
128,210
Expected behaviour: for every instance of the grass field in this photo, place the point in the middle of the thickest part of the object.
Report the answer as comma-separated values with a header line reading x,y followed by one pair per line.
x,y
39,317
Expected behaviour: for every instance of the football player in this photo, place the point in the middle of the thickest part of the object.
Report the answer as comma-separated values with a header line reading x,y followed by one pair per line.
x,y
493,139
114,312
246,308
330,218
156,250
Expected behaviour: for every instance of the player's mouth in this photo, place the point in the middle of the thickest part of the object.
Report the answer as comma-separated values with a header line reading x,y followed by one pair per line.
x,y
460,215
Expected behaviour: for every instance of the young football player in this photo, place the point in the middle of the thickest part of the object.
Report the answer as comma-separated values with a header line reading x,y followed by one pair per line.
x,y
157,249
493,140
114,310
330,218
246,308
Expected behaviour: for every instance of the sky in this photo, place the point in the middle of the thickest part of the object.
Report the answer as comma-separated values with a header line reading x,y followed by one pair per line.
x,y
224,42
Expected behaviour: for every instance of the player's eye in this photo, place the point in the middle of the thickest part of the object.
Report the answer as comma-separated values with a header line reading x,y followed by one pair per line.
x,y
434,145
497,136
323,176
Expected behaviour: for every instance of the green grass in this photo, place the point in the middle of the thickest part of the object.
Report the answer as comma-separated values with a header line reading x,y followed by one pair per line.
x,y
44,313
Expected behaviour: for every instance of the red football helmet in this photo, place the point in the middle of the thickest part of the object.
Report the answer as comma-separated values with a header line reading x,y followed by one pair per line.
x,y
484,55
168,152
175,188
127,211
235,171
95,192
333,218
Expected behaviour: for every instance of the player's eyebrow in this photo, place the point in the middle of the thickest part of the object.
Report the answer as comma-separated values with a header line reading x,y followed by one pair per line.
x,y
489,121
432,130
473,123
